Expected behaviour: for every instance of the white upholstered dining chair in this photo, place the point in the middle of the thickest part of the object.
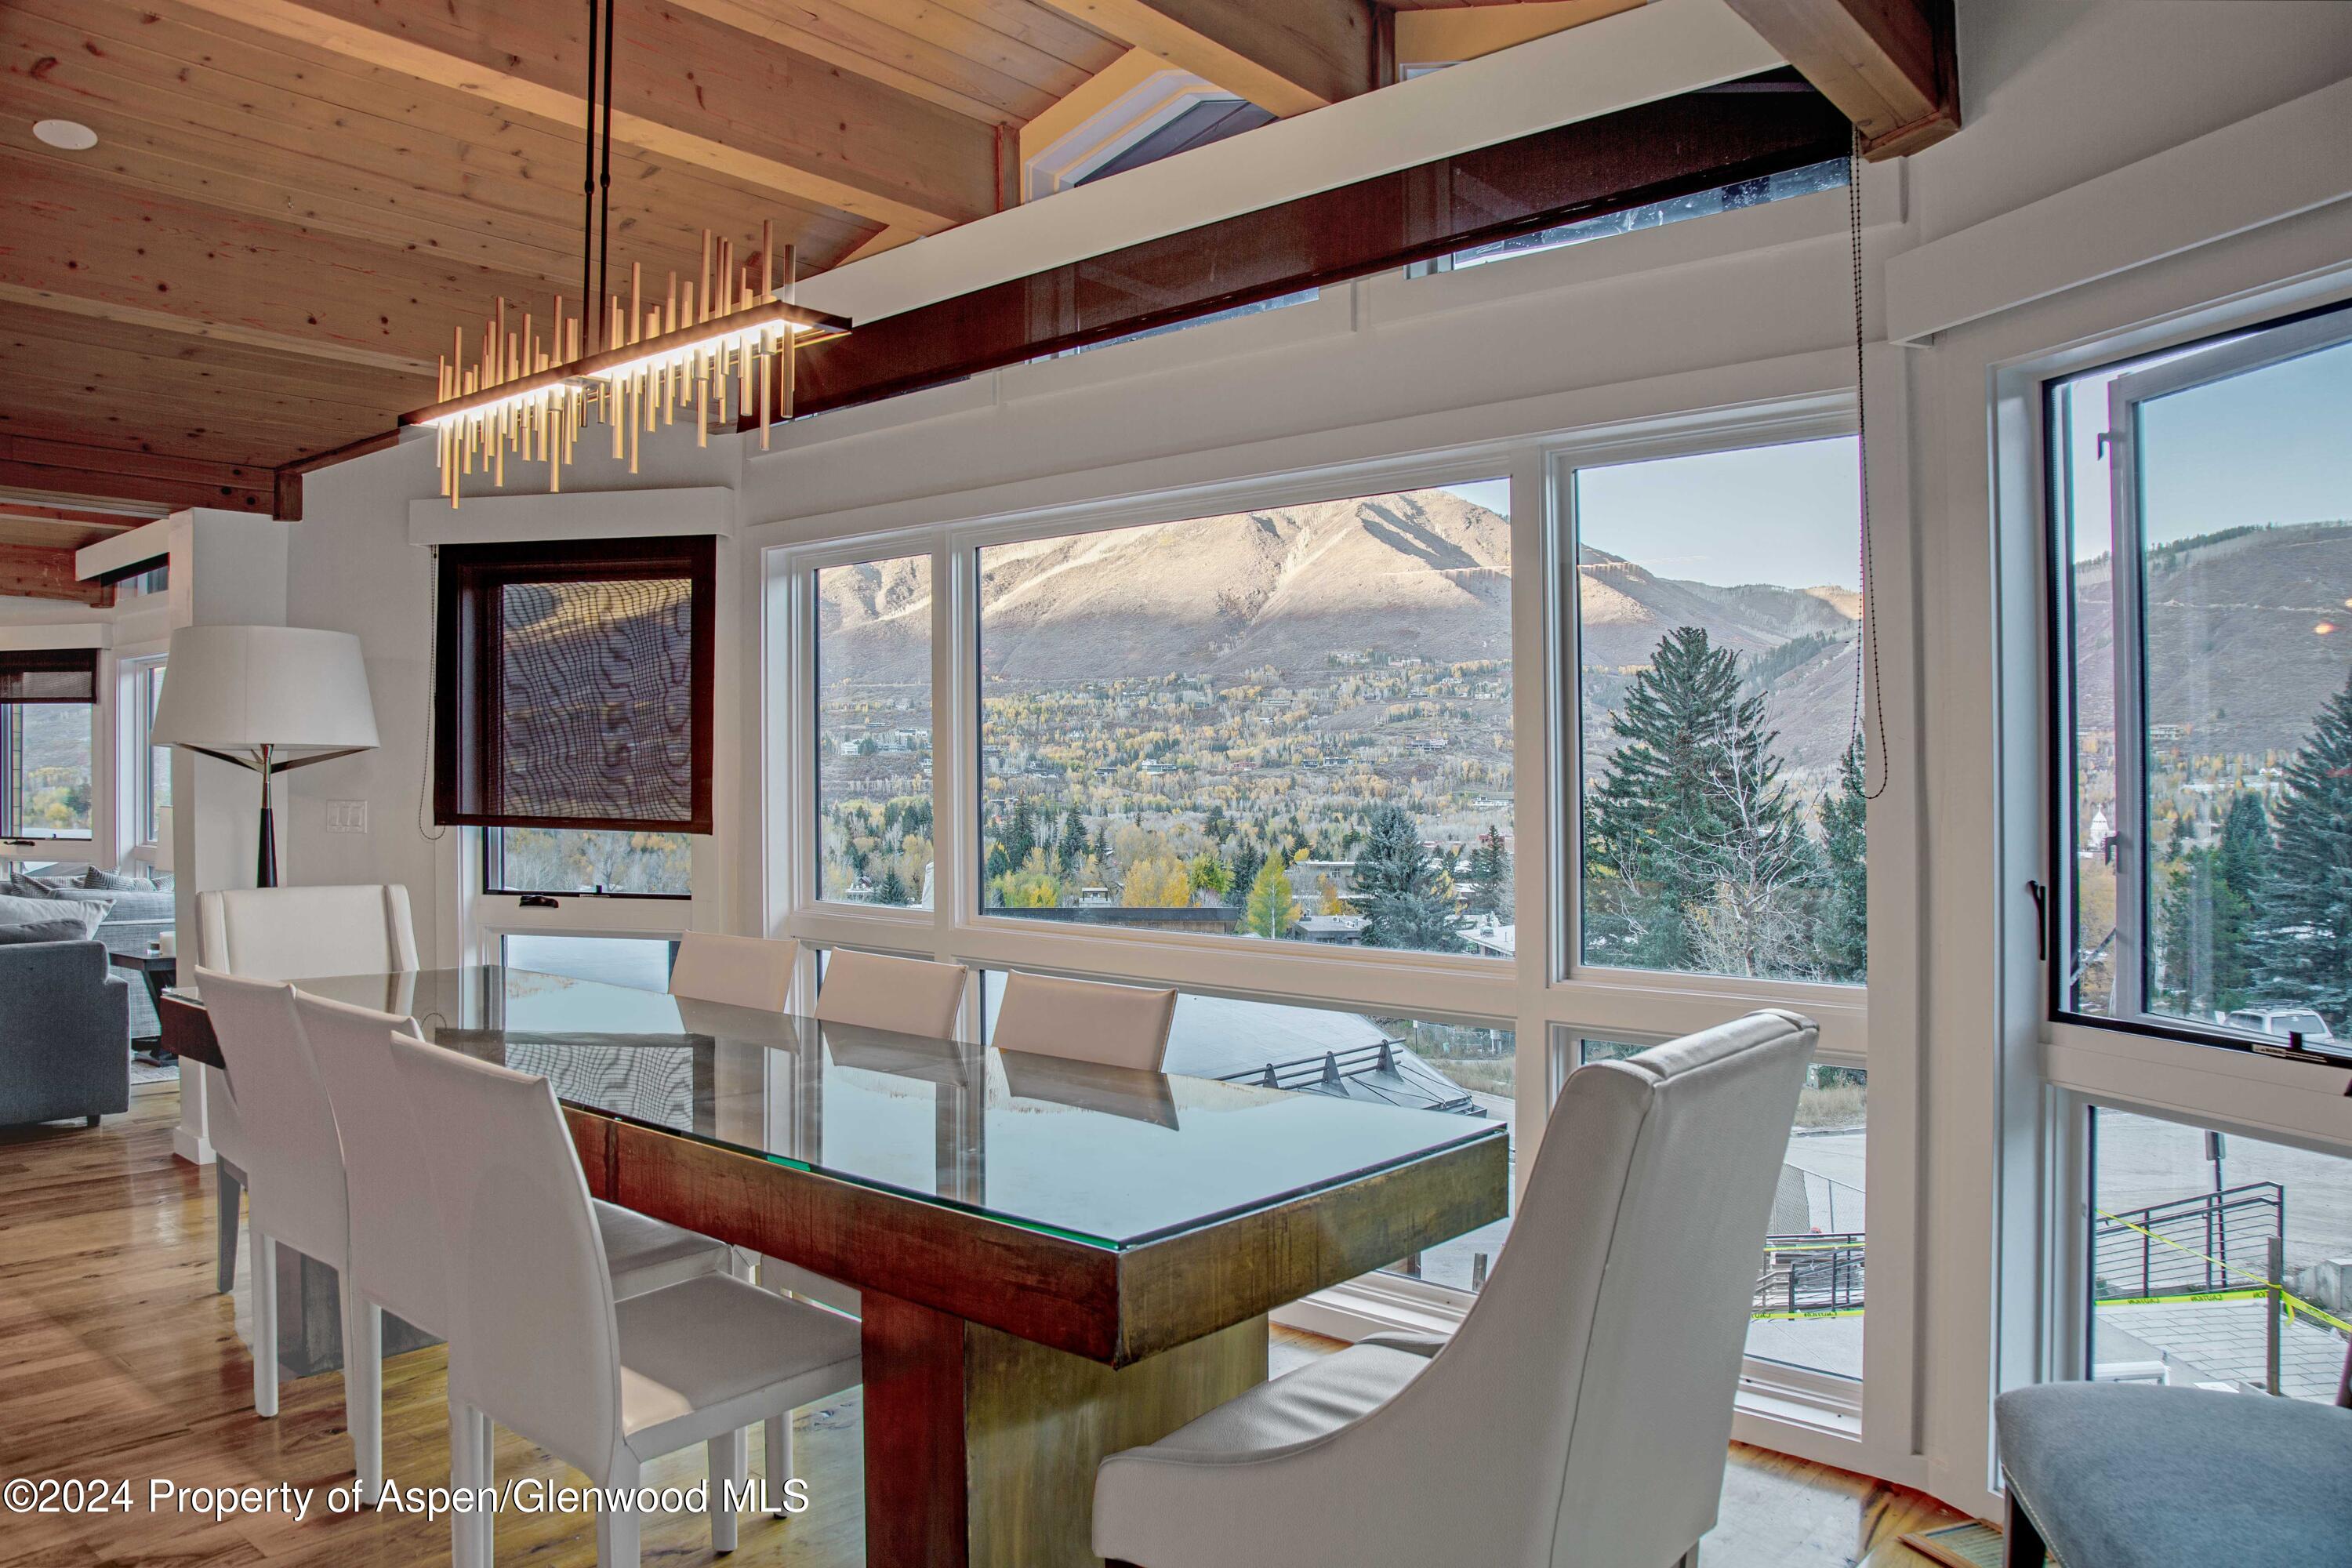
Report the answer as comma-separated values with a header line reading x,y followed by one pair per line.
x,y
866,991
1580,1415
294,1168
539,1343
287,933
1085,1020
735,971
909,996
398,1257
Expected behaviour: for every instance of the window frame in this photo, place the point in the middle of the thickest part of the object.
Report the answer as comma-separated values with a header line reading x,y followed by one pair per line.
x,y
12,762
137,685
1535,993
1567,939
2247,346
492,855
468,651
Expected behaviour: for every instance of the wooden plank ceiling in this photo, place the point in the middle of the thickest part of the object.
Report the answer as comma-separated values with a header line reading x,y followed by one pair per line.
x,y
292,203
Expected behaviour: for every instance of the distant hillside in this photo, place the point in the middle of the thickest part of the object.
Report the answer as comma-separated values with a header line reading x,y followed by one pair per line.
x,y
1425,573
2233,655
1800,639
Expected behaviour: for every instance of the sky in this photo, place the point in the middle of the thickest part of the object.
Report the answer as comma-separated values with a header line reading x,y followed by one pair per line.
x,y
1785,514
2272,444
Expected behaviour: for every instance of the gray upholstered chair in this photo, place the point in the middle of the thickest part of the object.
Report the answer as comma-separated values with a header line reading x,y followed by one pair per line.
x,y
1580,1415
2131,1475
65,1033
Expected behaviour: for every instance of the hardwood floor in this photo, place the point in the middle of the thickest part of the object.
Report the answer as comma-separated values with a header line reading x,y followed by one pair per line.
x,y
119,1363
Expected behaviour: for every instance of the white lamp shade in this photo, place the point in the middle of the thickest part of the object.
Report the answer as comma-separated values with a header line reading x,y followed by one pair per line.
x,y
292,689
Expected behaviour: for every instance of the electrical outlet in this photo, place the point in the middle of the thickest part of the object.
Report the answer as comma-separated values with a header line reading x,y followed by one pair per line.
x,y
347,816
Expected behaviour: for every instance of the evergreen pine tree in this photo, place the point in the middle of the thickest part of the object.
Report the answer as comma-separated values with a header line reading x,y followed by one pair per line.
x,y
1101,849
1400,890
1247,858
2246,846
1073,848
997,864
892,889
1022,837
1696,856
1490,870
1842,931
2301,935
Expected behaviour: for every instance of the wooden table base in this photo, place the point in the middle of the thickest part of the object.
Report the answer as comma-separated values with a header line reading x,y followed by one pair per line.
x,y
981,1446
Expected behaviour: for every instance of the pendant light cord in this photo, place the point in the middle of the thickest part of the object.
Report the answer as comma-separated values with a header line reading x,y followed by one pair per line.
x,y
588,204
1864,629
605,181
596,189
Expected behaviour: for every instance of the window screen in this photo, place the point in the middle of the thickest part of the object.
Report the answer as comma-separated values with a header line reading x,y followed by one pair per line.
x,y
575,686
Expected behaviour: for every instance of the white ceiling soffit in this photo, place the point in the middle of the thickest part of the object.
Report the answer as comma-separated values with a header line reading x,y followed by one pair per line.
x,y
1635,56
148,542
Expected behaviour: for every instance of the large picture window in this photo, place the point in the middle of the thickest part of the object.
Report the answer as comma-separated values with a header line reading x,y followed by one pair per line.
x,y
1286,725
1718,625
874,731
2203,559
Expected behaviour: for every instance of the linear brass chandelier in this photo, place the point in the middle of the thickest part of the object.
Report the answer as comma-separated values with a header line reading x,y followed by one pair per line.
x,y
719,344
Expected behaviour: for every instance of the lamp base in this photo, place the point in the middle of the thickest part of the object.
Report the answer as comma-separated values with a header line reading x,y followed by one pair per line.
x,y
264,860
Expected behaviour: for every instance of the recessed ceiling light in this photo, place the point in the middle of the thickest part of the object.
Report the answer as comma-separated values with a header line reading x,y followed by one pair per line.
x,y
70,134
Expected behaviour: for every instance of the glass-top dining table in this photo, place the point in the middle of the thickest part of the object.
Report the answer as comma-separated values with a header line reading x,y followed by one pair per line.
x,y
1055,1259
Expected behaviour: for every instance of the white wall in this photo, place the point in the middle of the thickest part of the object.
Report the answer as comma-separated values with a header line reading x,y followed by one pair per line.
x,y
1720,310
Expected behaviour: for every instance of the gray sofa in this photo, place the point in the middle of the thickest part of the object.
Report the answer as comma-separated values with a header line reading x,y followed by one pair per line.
x,y
134,918
65,1033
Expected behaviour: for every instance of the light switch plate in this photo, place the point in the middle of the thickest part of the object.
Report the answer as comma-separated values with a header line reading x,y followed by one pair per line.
x,y
347,816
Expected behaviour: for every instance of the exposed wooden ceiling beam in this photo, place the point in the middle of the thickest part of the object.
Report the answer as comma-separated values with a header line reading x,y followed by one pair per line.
x,y
69,468
1888,64
687,89
47,572
1287,58
166,263
1452,34
219,332
254,122
62,527
869,47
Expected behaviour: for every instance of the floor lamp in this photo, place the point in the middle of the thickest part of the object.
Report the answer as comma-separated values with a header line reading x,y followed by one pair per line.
x,y
269,698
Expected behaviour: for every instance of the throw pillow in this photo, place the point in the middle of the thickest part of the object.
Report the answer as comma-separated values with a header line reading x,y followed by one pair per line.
x,y
90,912
22,884
68,929
115,881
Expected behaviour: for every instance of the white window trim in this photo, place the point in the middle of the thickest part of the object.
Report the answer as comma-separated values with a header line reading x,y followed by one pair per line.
x,y
1535,993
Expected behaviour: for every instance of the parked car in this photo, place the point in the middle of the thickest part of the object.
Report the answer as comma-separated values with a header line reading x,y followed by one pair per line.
x,y
2282,1022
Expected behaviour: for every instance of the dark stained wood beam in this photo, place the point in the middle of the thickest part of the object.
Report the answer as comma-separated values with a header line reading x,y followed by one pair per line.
x,y
1652,152
685,88
1290,57
69,468
47,572
1889,64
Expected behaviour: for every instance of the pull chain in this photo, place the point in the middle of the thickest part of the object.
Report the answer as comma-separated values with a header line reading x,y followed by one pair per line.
x,y
1866,640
